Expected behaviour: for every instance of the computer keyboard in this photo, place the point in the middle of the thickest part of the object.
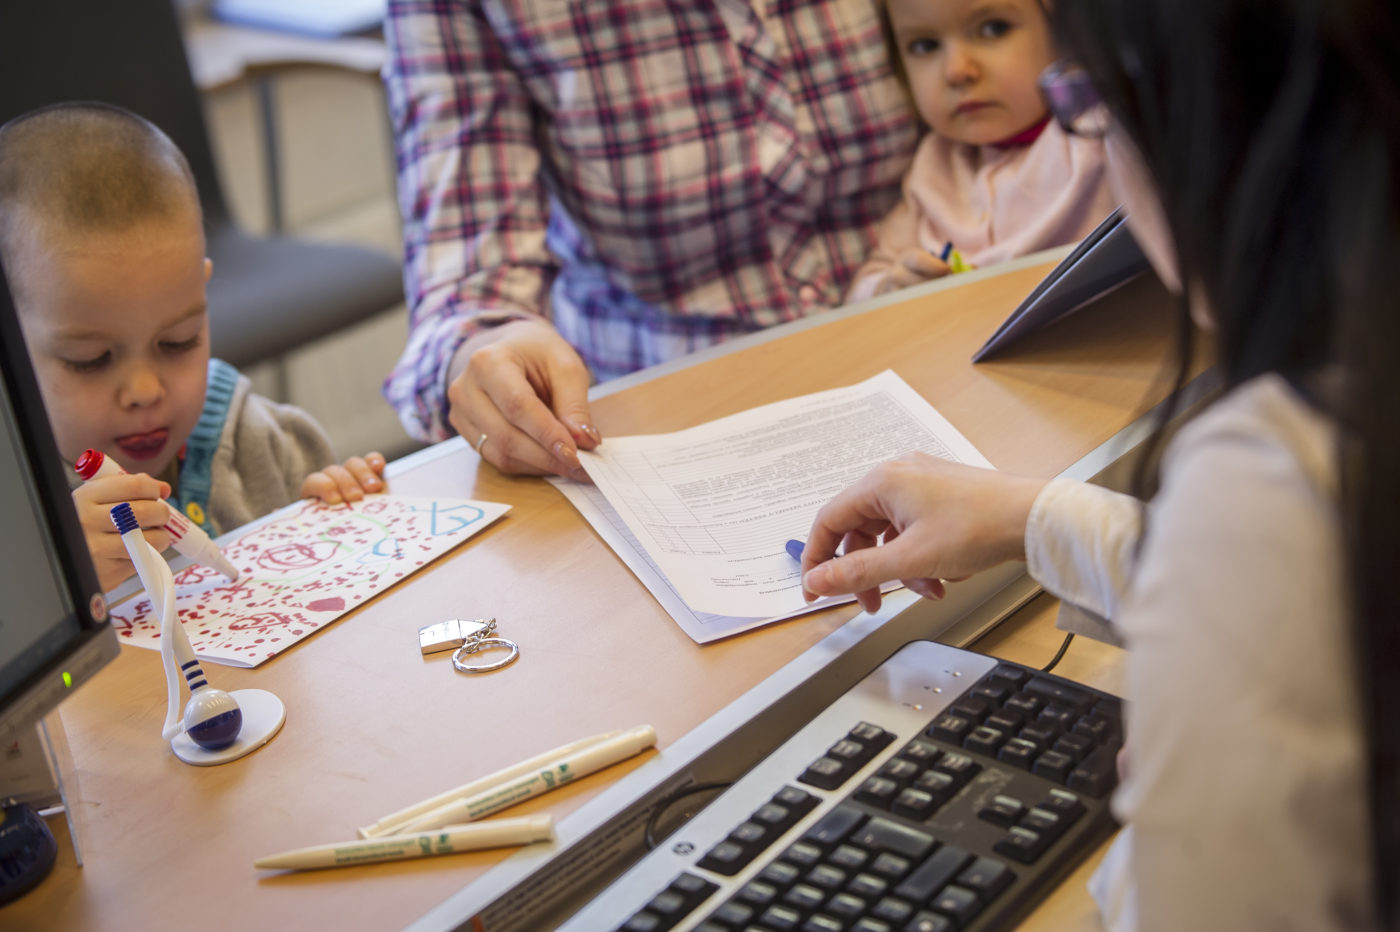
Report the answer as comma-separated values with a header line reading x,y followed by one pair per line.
x,y
946,790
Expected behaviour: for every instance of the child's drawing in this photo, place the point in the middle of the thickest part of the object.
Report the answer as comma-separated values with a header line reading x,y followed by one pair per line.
x,y
303,570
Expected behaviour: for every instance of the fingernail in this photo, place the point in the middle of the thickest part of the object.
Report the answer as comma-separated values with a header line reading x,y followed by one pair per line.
x,y
372,483
578,475
566,453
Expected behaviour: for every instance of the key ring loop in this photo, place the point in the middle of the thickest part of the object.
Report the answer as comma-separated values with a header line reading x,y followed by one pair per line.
x,y
480,641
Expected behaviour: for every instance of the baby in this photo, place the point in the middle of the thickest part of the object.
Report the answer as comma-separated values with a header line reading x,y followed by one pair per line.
x,y
995,178
101,238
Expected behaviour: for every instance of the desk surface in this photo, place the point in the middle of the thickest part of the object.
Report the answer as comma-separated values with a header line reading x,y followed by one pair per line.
x,y
372,725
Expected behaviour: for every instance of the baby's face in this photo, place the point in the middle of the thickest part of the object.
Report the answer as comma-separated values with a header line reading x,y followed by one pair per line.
x,y
972,64
118,331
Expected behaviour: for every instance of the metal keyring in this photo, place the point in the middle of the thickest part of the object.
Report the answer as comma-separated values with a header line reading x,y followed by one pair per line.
x,y
482,644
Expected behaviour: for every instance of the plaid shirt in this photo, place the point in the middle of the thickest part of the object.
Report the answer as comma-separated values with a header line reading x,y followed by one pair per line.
x,y
654,175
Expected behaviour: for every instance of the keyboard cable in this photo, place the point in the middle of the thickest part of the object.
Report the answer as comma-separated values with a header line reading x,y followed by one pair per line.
x,y
671,799
1064,646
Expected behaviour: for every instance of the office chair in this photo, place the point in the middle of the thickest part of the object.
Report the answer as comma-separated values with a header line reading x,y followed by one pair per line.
x,y
269,294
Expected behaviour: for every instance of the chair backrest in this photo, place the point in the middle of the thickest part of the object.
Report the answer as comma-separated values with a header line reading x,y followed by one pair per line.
x,y
125,52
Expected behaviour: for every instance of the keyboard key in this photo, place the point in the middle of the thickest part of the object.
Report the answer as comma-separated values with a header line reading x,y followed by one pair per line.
x,y
1061,692
1047,823
992,691
925,921
984,740
804,897
890,866
733,915
757,893
951,728
833,827
1075,746
971,708
914,804
803,854
1003,810
848,857
1057,716
900,771
644,922
826,877
869,924
669,906
872,735
959,903
846,906
1043,734
884,835
1053,765
780,874
725,858
1019,753
867,886
941,786
1006,720
931,876
920,752
1024,703
1010,672
781,918
1021,844
1063,803
847,751
878,792
1096,727
826,773
986,877
822,923
894,910
1097,773
959,766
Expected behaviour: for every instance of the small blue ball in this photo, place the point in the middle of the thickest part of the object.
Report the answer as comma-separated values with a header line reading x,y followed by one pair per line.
x,y
219,731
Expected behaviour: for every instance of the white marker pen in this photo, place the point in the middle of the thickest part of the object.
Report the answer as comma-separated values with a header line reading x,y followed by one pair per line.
x,y
186,537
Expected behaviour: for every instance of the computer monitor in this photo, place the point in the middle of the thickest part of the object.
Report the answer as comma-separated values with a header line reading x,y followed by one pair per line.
x,y
54,633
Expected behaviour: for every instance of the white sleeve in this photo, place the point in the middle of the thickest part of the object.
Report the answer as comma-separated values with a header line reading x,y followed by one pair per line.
x,y
1244,781
1080,544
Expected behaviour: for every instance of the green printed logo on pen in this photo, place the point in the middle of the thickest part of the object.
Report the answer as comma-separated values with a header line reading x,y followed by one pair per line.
x,y
548,778
426,845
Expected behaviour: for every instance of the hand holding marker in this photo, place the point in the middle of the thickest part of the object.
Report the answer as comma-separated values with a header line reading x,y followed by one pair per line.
x,y
186,537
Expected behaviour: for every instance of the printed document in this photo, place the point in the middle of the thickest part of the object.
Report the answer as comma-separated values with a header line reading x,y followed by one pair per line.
x,y
713,506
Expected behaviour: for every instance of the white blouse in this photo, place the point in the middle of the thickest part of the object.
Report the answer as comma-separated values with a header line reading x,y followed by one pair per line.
x,y
1245,786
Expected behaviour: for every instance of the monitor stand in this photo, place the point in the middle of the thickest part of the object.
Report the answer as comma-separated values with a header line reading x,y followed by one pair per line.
x,y
32,777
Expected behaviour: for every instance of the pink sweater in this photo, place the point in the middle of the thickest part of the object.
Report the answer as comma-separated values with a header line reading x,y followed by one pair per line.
x,y
993,203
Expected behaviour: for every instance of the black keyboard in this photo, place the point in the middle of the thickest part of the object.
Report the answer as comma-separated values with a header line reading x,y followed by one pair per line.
x,y
945,791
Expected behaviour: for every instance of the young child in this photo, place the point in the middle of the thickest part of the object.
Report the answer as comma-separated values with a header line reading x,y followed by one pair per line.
x,y
102,241
995,178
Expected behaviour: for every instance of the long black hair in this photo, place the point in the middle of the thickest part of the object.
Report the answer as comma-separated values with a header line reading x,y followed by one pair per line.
x,y
1272,131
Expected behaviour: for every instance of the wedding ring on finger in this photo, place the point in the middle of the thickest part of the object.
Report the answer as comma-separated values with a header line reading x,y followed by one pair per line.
x,y
480,442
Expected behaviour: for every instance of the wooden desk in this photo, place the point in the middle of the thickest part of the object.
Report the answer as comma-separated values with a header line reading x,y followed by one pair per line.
x,y
373,726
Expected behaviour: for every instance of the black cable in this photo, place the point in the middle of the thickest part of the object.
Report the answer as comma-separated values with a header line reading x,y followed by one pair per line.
x,y
649,836
1064,646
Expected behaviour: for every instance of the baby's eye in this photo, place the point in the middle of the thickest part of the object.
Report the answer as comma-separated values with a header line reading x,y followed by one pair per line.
x,y
922,47
175,347
93,364
994,29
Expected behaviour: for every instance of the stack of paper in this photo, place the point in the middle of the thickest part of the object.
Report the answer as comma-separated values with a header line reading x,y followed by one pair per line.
x,y
702,515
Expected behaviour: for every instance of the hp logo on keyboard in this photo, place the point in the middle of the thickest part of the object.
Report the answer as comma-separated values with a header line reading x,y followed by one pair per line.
x,y
682,847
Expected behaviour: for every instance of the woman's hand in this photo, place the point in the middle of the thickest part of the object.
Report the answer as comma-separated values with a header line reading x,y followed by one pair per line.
x,y
940,520
524,389
94,500
351,482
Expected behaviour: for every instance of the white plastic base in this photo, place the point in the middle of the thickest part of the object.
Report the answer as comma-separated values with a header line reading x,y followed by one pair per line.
x,y
263,715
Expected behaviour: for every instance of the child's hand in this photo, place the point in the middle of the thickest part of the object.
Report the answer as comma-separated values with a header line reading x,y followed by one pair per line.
x,y
348,483
95,499
913,267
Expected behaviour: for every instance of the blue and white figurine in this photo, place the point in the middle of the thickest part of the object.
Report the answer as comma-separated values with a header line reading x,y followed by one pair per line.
x,y
209,732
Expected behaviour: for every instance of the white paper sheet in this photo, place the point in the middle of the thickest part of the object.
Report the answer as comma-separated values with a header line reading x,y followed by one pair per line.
x,y
714,505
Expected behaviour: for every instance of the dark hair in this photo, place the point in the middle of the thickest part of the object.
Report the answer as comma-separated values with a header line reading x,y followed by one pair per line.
x,y
1272,130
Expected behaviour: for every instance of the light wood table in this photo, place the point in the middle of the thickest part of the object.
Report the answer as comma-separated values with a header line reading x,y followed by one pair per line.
x,y
372,725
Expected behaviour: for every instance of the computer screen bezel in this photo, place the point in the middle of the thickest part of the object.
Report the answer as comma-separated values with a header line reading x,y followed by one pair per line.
x,y
94,643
